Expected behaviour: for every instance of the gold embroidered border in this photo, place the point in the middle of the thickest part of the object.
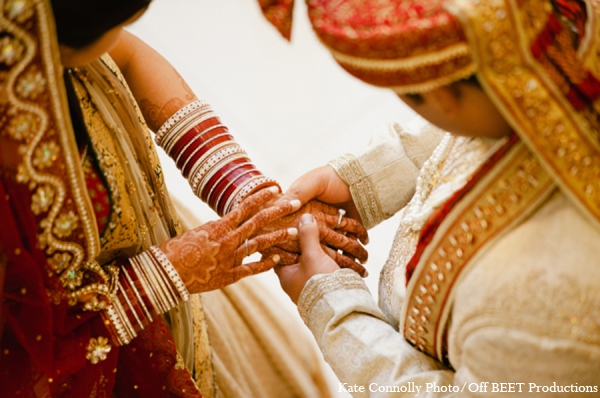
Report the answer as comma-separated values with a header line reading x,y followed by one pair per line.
x,y
50,160
150,153
363,192
506,195
121,230
432,84
501,34
342,279
418,61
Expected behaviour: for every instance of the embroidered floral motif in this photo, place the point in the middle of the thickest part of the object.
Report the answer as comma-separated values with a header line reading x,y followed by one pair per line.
x,y
11,50
22,126
42,199
98,349
65,224
72,280
49,165
60,261
31,84
45,154
18,10
23,175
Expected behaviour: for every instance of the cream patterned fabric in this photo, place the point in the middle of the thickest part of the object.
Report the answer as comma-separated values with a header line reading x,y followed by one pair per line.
x,y
382,178
527,312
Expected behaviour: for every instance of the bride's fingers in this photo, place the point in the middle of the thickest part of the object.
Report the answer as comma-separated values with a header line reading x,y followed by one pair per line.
x,y
266,217
344,243
250,205
291,246
346,262
256,267
287,257
347,225
348,244
261,242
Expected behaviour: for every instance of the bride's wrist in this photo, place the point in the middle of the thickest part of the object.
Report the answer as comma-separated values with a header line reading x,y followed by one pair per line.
x,y
147,286
217,168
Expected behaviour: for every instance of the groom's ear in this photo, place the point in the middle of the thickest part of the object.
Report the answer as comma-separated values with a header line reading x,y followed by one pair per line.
x,y
445,100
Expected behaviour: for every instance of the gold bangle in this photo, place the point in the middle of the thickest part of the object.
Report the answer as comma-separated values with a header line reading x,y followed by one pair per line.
x,y
117,325
137,293
177,117
147,267
137,266
171,272
135,315
167,298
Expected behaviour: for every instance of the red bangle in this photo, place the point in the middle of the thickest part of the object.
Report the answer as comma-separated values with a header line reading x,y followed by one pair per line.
x,y
218,175
231,189
146,302
224,177
210,164
198,152
220,197
217,168
194,134
249,186
173,136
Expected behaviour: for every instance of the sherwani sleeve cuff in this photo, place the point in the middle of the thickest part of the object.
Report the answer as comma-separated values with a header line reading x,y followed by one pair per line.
x,y
382,178
321,284
356,339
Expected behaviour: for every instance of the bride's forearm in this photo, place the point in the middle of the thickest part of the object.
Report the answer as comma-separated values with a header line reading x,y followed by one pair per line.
x,y
156,85
216,167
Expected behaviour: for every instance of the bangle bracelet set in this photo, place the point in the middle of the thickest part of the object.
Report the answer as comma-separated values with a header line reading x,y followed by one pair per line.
x,y
218,170
148,287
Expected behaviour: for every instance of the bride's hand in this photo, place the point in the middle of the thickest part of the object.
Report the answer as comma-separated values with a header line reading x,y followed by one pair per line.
x,y
210,257
336,232
314,260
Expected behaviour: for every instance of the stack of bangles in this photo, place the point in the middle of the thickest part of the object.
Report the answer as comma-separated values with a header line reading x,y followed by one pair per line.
x,y
218,170
147,287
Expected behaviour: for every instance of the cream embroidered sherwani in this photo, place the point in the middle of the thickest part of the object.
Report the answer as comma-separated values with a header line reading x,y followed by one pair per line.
x,y
527,312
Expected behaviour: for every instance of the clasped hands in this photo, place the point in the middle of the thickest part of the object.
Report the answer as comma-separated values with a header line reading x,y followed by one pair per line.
x,y
211,256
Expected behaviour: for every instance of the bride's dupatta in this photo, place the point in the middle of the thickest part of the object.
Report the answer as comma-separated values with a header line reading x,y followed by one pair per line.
x,y
61,269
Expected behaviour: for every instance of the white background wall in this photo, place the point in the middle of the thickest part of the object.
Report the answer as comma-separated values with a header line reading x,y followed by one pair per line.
x,y
289,104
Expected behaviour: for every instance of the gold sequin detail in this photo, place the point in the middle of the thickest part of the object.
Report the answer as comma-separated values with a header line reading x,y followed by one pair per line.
x,y
98,349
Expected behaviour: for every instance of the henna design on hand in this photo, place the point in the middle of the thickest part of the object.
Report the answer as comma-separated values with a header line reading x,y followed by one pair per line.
x,y
210,257
289,258
343,238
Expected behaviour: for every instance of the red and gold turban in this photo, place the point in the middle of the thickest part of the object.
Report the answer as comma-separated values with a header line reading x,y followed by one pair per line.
x,y
407,45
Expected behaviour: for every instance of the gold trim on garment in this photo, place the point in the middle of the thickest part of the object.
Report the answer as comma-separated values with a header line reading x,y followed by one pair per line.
x,y
505,196
122,228
343,279
432,84
565,140
368,205
414,62
50,162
